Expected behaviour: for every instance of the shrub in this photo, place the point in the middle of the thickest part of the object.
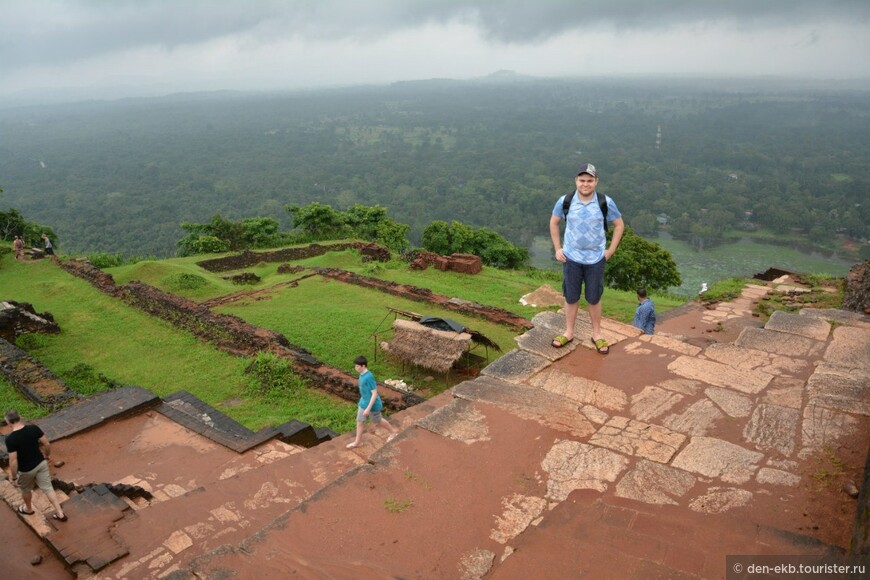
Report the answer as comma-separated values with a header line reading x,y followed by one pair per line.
x,y
272,377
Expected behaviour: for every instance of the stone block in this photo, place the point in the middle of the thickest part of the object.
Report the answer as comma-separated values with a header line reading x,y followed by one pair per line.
x,y
720,375
718,458
814,328
652,482
580,390
573,465
638,438
773,428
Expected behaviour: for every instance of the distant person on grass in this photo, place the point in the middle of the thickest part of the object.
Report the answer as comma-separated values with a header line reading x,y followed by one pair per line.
x,y
370,404
29,453
645,315
18,246
584,252
49,249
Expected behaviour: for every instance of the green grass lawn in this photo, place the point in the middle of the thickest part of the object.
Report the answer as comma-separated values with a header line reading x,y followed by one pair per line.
x,y
133,348
337,322
334,321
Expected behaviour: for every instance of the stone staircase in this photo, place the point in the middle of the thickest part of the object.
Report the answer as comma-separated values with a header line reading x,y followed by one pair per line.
x,y
658,460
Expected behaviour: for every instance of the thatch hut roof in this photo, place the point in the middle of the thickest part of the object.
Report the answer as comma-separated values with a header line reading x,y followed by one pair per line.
x,y
436,350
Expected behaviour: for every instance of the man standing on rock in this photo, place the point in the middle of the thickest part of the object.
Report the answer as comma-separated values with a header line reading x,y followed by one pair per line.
x,y
584,252
18,246
29,452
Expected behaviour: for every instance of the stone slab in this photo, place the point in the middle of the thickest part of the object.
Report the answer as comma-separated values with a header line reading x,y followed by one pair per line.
x,y
785,392
749,359
733,404
682,386
807,326
516,366
539,341
773,428
528,403
652,402
637,438
519,511
718,458
769,476
720,499
837,315
822,427
572,465
652,482
850,348
580,389
96,410
779,342
840,391
697,420
669,343
720,375
459,421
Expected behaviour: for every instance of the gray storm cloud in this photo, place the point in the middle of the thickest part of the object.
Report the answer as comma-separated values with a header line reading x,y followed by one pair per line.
x,y
45,32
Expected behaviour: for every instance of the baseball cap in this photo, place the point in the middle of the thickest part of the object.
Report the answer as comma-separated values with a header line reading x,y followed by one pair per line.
x,y
588,168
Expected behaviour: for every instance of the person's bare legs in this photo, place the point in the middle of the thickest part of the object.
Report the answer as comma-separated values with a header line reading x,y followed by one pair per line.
x,y
570,319
52,497
595,319
393,431
359,433
27,496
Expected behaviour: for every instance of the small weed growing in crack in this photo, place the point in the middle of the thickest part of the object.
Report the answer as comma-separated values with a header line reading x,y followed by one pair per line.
x,y
397,506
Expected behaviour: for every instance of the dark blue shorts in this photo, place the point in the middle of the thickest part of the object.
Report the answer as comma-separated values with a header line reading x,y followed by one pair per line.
x,y
575,276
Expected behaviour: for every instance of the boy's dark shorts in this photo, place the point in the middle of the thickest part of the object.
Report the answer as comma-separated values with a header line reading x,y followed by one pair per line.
x,y
575,276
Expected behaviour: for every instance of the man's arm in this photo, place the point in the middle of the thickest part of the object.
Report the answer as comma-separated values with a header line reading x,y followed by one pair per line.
x,y
556,237
13,467
618,230
45,447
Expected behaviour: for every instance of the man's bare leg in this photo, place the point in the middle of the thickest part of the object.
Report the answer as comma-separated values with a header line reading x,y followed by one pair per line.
x,y
52,497
570,319
595,318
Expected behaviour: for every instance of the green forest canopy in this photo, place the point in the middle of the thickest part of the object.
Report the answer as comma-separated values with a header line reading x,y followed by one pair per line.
x,y
121,176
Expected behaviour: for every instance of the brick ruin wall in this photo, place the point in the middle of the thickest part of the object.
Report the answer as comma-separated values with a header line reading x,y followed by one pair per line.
x,y
247,258
490,313
462,263
233,335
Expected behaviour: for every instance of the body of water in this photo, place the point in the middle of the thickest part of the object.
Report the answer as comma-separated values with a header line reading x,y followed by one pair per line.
x,y
744,258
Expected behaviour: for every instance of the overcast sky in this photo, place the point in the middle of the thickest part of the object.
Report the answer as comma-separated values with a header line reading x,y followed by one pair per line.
x,y
182,45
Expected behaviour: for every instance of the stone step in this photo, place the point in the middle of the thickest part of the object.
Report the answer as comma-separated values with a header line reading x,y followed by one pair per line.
x,y
597,536
247,496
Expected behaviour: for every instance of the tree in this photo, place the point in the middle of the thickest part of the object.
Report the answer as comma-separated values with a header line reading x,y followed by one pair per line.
x,y
639,262
459,238
13,223
260,232
317,219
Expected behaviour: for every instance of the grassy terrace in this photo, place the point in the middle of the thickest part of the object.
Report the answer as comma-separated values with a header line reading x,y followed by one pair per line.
x,y
334,321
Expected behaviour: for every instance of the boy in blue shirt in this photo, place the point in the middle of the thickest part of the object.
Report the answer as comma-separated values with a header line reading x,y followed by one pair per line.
x,y
370,404
645,316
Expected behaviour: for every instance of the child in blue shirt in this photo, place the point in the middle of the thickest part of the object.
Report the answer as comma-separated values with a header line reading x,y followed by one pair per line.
x,y
645,316
370,404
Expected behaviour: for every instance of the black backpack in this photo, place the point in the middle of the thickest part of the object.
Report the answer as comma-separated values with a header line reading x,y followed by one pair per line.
x,y
602,203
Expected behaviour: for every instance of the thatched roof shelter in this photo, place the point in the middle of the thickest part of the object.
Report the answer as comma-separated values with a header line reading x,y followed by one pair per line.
x,y
436,350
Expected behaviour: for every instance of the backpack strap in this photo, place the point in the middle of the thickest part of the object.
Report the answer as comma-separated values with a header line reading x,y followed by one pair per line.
x,y
566,203
602,204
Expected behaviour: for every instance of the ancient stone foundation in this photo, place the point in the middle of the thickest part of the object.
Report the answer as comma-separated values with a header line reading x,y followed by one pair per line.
x,y
234,335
